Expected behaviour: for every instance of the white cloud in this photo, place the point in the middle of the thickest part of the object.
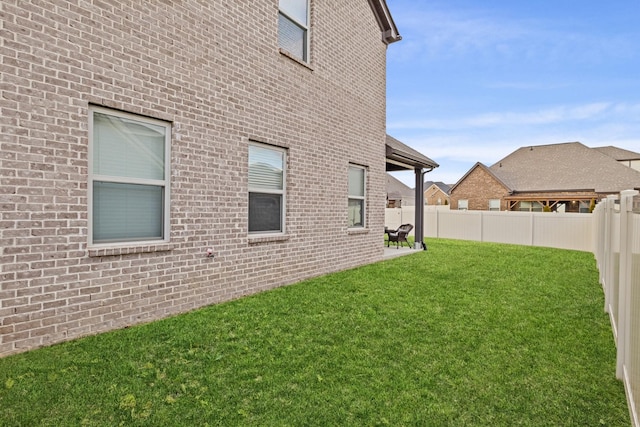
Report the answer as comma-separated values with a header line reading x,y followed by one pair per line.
x,y
454,33
557,114
440,34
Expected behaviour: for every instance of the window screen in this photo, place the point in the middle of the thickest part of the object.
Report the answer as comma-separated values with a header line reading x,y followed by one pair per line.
x,y
356,217
293,27
266,188
129,177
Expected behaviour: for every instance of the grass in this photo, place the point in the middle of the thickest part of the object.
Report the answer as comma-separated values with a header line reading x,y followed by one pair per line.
x,y
464,334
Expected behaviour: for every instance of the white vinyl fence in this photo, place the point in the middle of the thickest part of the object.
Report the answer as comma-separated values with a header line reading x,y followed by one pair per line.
x,y
556,230
611,232
617,252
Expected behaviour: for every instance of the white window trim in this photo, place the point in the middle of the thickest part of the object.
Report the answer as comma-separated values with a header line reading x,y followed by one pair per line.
x,y
307,28
466,203
282,192
363,197
165,183
494,208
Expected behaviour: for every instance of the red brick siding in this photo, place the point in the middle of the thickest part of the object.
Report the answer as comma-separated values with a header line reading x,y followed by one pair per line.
x,y
478,187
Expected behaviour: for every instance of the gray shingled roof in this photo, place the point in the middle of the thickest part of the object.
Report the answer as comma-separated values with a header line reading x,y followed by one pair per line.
x,y
619,154
564,167
441,185
402,153
397,190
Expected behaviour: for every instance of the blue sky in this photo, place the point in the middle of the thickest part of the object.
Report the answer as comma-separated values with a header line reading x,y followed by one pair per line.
x,y
473,80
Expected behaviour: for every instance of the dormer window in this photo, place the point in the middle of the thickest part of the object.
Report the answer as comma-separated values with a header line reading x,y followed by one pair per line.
x,y
293,28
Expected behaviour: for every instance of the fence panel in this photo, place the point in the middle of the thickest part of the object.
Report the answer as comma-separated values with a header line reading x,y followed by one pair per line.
x,y
558,230
632,359
462,225
628,351
507,227
565,231
634,321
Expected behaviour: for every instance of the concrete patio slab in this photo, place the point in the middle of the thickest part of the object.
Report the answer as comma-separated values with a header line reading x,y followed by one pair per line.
x,y
393,251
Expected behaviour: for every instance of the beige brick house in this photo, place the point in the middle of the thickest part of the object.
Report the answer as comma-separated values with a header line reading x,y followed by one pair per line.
x,y
436,193
567,177
161,156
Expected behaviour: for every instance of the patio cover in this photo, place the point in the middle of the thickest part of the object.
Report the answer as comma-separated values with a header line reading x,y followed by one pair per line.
x,y
402,157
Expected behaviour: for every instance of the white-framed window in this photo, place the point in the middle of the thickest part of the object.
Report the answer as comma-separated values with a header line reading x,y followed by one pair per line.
x,y
530,207
494,204
129,178
584,207
293,27
267,183
357,196
463,204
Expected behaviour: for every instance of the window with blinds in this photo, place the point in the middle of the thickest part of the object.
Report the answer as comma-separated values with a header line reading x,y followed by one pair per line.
x,y
293,27
128,177
266,188
356,210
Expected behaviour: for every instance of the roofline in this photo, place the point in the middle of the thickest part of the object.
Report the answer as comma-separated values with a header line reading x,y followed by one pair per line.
x,y
403,156
389,30
561,190
636,156
481,165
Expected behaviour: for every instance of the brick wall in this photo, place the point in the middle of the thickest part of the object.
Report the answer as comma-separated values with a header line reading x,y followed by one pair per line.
x,y
478,187
214,71
434,196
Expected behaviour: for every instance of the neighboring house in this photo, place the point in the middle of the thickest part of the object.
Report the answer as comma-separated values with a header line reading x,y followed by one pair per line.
x,y
161,156
399,194
479,189
436,193
567,177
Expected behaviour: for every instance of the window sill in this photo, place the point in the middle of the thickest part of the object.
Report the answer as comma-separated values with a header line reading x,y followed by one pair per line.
x,y
126,250
354,231
295,58
267,239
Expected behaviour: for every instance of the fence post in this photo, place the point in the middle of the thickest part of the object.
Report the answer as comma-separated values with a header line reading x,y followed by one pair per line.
x,y
624,306
608,260
532,218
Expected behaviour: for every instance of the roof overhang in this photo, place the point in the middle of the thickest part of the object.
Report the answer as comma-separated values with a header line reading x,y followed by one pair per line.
x,y
385,21
402,157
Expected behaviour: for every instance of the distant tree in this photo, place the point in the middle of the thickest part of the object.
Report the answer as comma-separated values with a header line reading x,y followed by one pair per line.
x,y
546,208
592,206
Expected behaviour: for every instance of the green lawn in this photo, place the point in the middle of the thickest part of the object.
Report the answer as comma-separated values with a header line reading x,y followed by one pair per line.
x,y
464,334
